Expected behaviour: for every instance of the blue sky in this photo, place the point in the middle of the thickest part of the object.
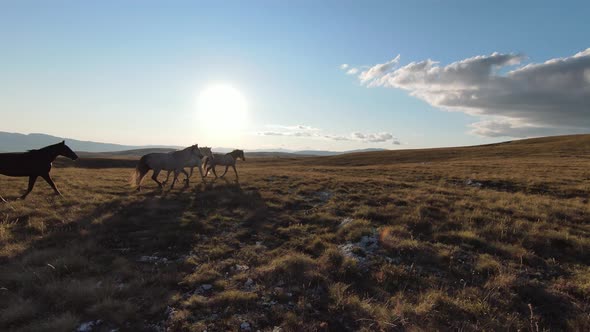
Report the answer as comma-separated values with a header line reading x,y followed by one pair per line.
x,y
131,71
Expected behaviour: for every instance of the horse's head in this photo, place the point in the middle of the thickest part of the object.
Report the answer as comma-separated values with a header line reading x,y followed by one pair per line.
x,y
240,154
195,151
206,151
65,151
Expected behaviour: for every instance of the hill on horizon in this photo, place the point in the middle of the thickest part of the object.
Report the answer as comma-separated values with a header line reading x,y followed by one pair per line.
x,y
570,146
16,142
566,145
549,146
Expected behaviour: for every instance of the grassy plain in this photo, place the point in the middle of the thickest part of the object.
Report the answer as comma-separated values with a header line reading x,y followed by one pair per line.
x,y
483,238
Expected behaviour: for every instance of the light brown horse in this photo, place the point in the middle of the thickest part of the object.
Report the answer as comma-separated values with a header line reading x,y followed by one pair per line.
x,y
227,160
173,161
206,152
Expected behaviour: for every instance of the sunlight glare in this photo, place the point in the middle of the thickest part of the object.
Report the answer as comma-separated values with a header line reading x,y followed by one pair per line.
x,y
222,107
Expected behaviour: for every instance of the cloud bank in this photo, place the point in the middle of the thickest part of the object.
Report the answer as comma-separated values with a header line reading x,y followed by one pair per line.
x,y
536,99
380,137
311,132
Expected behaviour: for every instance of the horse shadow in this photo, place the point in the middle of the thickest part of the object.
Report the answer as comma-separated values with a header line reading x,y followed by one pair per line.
x,y
122,263
226,181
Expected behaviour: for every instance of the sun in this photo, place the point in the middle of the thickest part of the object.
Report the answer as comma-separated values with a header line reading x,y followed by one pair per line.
x,y
222,107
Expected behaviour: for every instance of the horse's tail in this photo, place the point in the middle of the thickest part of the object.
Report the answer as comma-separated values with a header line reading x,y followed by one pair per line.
x,y
140,171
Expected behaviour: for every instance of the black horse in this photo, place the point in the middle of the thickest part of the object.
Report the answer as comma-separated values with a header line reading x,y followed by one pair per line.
x,y
34,163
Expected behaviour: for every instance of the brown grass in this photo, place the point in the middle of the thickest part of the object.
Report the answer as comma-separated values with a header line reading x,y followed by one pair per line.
x,y
510,253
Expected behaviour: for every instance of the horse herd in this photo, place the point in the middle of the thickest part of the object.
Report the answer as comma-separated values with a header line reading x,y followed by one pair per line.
x,y
176,161
37,163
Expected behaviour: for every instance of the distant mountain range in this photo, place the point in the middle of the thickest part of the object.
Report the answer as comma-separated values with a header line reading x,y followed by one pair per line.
x,y
298,152
14,142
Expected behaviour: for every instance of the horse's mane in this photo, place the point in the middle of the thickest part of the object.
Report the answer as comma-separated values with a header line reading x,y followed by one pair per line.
x,y
237,153
187,148
44,149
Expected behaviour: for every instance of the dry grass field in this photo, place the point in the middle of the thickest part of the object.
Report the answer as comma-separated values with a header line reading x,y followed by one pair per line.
x,y
483,238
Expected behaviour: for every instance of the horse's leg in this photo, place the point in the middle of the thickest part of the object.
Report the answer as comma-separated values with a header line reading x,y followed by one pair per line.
x,y
213,170
187,176
204,166
47,178
167,177
142,173
235,171
200,172
226,167
32,180
155,177
175,178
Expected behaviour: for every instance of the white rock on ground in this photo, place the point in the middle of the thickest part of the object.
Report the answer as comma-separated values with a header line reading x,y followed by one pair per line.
x,y
472,183
242,267
88,326
324,195
368,245
245,326
346,221
152,259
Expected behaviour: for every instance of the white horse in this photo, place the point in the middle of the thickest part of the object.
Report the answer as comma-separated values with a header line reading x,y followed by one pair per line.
x,y
205,152
172,161
227,160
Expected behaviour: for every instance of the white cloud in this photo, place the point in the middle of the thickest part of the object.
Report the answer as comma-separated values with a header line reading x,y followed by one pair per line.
x,y
375,138
344,66
292,128
505,127
533,100
311,132
378,70
501,127
352,71
294,133
271,133
338,138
